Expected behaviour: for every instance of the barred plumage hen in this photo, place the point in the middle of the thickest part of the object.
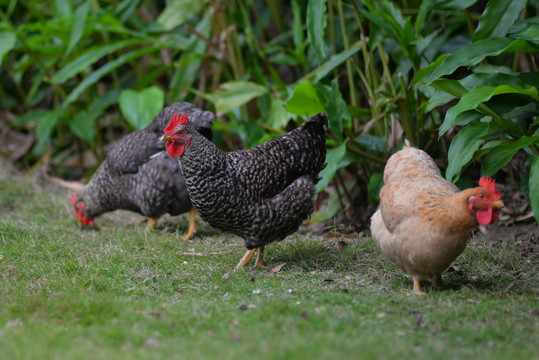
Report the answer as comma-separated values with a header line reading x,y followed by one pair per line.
x,y
138,175
262,194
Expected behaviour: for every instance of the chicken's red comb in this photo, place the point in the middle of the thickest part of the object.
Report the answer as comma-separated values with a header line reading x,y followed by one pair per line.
x,y
178,119
489,184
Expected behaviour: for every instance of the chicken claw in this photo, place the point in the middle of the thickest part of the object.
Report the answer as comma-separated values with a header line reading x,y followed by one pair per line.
x,y
245,259
259,263
151,223
417,288
191,229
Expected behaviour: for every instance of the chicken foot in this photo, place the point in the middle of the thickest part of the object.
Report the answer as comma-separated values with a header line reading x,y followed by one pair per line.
x,y
191,229
417,288
249,254
152,223
437,282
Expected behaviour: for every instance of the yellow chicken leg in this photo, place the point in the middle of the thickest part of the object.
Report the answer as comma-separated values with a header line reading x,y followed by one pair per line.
x,y
245,259
417,288
259,258
151,223
437,283
191,229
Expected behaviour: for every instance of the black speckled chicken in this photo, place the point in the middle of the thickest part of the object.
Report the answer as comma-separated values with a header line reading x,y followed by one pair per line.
x,y
138,175
262,194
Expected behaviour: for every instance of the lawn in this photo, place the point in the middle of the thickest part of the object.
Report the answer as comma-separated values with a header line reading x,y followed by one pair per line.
x,y
124,293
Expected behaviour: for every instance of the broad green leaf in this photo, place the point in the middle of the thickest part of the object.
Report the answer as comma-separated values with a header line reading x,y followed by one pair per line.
x,y
475,52
452,4
189,62
531,34
375,184
139,108
125,9
327,212
305,100
7,43
90,57
472,99
335,61
46,121
463,147
427,69
335,105
316,24
79,22
63,8
498,17
83,124
533,185
502,154
333,157
104,70
178,11
297,27
278,115
372,142
233,94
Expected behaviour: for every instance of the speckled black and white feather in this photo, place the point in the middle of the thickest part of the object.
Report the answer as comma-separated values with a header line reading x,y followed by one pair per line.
x,y
138,175
262,194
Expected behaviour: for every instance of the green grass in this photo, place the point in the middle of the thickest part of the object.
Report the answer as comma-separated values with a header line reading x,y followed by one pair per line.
x,y
124,293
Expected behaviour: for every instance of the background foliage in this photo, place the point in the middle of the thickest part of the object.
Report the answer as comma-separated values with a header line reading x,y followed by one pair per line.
x,y
457,78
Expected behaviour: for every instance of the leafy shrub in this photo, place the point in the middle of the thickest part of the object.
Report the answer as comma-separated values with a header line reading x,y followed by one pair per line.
x,y
381,70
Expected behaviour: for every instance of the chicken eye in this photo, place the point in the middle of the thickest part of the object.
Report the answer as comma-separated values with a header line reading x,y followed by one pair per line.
x,y
180,132
481,196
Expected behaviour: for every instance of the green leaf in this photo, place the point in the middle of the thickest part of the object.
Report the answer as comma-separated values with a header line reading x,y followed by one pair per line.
x,y
531,34
427,69
335,61
480,94
337,111
83,124
472,54
375,184
463,147
498,17
502,154
278,117
178,11
46,121
139,108
189,62
126,9
297,26
236,93
316,23
90,57
7,43
79,22
534,188
305,100
452,4
104,70
372,142
63,8
333,157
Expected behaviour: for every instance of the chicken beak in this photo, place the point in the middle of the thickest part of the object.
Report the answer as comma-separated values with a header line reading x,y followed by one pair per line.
x,y
497,204
166,138
79,222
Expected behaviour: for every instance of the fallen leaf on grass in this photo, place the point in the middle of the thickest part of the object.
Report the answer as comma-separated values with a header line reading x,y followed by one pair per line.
x,y
276,269
226,276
